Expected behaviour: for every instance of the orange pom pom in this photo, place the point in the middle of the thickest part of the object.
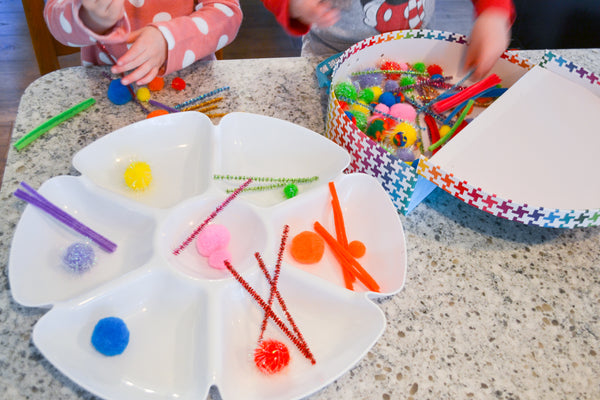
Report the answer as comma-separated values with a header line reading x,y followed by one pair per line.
x,y
357,248
156,84
156,113
307,247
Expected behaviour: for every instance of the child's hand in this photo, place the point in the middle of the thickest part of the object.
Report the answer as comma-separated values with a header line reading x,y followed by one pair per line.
x,y
490,36
145,57
316,12
101,15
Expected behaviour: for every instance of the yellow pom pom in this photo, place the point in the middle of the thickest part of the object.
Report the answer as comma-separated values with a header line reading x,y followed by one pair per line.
x,y
443,130
138,175
409,133
360,107
377,92
143,94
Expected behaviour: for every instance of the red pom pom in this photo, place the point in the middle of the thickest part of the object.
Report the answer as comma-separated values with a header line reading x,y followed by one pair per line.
x,y
271,356
434,69
391,66
178,83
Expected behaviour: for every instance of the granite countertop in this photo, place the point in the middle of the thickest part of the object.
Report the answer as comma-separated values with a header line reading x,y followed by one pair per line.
x,y
491,309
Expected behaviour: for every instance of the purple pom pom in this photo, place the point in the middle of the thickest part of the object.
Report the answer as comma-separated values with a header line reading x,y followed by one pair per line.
x,y
405,154
79,257
391,86
369,79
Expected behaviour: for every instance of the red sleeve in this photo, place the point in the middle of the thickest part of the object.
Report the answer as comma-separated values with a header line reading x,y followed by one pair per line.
x,y
280,8
502,5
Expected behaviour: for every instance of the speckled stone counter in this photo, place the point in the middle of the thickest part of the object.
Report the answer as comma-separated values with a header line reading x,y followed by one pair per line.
x,y
491,309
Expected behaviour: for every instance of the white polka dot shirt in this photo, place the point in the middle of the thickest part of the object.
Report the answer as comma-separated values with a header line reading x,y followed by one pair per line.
x,y
193,30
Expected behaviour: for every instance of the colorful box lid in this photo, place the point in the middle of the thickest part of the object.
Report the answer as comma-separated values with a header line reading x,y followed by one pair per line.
x,y
528,157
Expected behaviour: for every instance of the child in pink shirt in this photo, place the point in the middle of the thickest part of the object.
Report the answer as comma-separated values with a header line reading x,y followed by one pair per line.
x,y
147,37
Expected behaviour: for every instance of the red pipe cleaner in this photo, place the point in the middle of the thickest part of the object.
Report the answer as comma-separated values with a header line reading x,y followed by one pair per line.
x,y
285,309
224,204
466,94
433,129
304,350
272,281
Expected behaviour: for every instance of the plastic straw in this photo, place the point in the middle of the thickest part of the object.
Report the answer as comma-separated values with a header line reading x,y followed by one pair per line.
x,y
451,89
350,263
52,122
433,129
467,93
458,122
491,92
35,199
163,106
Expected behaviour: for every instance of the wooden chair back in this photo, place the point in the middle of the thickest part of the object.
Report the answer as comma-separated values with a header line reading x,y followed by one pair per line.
x,y
46,48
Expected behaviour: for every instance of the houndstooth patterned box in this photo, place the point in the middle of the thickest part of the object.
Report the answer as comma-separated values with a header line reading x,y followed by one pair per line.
x,y
408,186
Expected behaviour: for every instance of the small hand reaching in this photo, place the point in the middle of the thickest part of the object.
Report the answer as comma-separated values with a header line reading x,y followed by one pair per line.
x,y
317,12
146,56
101,15
490,37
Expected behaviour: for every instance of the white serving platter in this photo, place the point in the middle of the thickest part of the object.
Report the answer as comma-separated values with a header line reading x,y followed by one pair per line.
x,y
192,326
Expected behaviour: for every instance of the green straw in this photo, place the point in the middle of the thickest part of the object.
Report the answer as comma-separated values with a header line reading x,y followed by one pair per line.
x,y
459,121
52,122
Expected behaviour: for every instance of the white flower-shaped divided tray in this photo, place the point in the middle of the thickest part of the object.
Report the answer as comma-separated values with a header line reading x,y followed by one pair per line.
x,y
192,326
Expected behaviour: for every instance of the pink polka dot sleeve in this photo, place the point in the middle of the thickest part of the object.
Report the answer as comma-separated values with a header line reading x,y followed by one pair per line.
x,y
212,26
62,18
191,32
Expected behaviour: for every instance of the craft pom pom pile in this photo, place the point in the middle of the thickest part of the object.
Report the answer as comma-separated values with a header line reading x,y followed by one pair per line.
x,y
401,105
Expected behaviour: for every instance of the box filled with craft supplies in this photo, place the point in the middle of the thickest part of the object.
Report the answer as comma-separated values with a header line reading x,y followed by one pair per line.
x,y
516,144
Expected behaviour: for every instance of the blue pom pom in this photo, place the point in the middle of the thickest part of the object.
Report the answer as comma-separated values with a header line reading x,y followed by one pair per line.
x,y
110,336
118,93
387,98
350,116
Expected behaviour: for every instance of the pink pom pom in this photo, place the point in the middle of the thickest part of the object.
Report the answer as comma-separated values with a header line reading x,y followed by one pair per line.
x,y
381,108
403,66
217,258
403,111
212,238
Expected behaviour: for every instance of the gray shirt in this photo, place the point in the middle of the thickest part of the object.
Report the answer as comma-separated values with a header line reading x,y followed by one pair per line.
x,y
360,19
